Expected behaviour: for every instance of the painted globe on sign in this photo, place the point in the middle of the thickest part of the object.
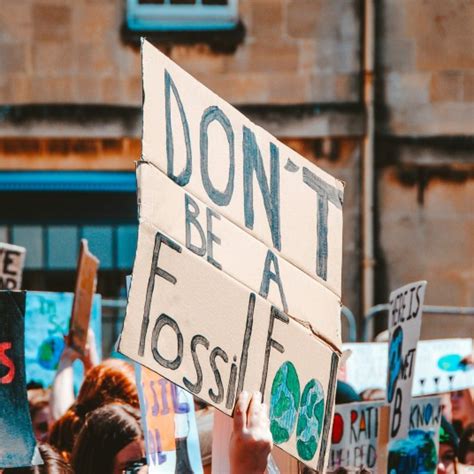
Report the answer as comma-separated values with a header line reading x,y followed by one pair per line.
x,y
285,397
50,352
310,420
413,455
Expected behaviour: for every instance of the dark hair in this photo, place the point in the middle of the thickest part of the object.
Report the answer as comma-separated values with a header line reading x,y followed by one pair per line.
x,y
466,444
106,431
113,380
53,463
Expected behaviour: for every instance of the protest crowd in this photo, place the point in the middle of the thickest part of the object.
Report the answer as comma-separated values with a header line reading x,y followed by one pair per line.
x,y
232,349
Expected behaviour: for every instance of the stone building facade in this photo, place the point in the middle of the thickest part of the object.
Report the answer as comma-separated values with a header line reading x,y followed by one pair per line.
x,y
70,95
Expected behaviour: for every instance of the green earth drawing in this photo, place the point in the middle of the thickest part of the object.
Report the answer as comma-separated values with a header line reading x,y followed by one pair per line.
x,y
310,420
285,396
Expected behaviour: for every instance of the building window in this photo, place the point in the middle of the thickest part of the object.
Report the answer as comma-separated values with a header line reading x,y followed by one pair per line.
x,y
181,15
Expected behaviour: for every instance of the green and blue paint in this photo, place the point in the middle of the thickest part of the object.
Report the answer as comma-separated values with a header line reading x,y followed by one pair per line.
x,y
287,407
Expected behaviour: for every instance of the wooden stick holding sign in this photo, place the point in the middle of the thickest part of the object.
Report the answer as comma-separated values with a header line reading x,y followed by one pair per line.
x,y
17,443
86,281
12,260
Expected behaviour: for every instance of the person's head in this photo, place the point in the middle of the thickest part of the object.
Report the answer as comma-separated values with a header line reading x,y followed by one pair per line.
x,y
110,441
53,464
372,394
462,406
111,381
345,393
466,446
448,446
38,400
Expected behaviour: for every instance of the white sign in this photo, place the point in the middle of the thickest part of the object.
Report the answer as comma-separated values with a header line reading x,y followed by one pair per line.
x,y
404,324
12,261
354,436
357,442
438,366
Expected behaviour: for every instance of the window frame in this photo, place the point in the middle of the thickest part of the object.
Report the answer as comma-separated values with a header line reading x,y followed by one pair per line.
x,y
177,17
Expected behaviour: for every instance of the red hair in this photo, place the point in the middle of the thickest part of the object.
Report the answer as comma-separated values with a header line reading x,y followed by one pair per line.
x,y
111,381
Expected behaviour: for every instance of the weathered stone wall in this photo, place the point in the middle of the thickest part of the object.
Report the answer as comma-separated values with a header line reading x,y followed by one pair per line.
x,y
426,66
293,51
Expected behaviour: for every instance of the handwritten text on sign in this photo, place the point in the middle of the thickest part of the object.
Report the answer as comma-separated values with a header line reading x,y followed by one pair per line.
x,y
406,309
202,230
204,331
205,145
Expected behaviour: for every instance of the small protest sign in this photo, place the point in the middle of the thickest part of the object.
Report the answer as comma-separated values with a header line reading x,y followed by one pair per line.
x,y
404,324
358,441
237,275
354,436
17,443
87,268
12,261
438,366
234,251
47,321
417,453
169,423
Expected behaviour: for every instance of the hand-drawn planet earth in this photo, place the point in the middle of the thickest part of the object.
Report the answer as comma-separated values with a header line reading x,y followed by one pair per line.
x,y
50,352
413,455
310,420
285,399
395,361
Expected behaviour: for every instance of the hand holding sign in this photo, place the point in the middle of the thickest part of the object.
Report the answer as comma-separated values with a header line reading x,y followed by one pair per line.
x,y
251,440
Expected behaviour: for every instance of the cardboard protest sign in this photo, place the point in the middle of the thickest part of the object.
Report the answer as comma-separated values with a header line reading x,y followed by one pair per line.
x,y
169,423
217,155
238,261
202,330
235,252
87,268
418,452
46,322
17,442
404,324
12,261
438,366
358,439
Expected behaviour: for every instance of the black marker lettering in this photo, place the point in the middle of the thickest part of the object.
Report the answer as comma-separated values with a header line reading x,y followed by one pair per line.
x,y
231,387
162,321
274,314
211,238
155,270
245,346
191,213
217,352
268,275
183,178
211,114
326,193
196,387
253,163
